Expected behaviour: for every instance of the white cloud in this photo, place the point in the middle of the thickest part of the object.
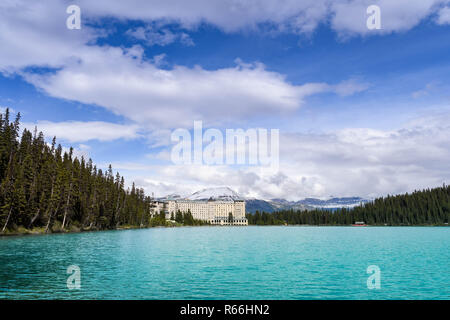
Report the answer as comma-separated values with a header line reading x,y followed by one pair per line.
x,y
350,87
346,17
39,27
121,81
444,16
155,98
159,138
34,34
164,155
425,91
349,162
161,37
349,17
84,147
78,131
229,15
159,60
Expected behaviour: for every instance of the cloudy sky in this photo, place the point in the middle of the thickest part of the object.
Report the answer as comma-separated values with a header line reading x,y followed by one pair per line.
x,y
360,112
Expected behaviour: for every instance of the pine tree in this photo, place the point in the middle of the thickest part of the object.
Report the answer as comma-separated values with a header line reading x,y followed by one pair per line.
x,y
42,186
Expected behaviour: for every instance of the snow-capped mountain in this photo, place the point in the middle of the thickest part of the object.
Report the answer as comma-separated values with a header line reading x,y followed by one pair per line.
x,y
219,193
347,202
252,205
172,196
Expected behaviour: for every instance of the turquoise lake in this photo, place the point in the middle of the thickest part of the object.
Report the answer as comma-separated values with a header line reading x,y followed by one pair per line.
x,y
230,263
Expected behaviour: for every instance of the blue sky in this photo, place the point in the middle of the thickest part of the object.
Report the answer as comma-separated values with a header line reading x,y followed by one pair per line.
x,y
360,112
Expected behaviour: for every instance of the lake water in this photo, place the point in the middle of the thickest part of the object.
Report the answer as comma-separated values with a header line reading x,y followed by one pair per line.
x,y
230,263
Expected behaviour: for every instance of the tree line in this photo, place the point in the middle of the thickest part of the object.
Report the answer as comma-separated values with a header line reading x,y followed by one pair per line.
x,y
426,207
45,187
187,219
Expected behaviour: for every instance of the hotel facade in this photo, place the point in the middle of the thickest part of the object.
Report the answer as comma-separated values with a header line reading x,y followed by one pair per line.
x,y
214,212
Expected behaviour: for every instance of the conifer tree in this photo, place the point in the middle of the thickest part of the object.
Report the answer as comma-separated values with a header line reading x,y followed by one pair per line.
x,y
46,187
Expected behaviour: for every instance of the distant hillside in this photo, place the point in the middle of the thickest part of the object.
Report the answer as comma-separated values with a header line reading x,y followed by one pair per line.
x,y
334,203
427,207
253,205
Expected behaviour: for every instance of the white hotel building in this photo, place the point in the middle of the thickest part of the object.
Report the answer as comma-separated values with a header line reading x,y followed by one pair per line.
x,y
215,212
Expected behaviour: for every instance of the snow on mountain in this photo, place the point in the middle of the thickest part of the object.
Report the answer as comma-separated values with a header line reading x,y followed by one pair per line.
x,y
253,204
347,202
219,193
306,204
172,196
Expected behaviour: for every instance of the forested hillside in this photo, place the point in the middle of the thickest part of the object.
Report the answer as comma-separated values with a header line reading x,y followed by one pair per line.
x,y
43,186
427,207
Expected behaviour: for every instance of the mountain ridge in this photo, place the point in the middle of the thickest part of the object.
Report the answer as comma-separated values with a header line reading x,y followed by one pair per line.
x,y
253,204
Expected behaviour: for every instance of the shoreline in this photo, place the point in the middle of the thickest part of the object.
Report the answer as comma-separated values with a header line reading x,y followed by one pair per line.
x,y
34,232
38,231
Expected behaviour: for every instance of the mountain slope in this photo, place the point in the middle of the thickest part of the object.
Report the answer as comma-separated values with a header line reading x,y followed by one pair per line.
x,y
252,205
333,203
217,194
